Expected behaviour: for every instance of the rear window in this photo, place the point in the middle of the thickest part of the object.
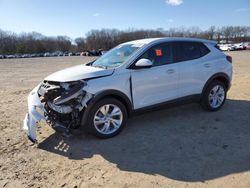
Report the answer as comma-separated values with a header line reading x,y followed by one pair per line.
x,y
184,51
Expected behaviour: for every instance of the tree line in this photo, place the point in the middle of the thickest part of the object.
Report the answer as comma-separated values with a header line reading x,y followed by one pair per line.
x,y
12,43
104,39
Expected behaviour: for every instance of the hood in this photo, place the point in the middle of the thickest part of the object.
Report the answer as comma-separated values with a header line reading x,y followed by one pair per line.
x,y
78,73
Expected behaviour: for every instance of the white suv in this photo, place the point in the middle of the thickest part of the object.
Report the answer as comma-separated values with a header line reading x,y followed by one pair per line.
x,y
132,77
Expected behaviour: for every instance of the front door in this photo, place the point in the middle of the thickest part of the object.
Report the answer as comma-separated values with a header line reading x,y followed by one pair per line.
x,y
158,83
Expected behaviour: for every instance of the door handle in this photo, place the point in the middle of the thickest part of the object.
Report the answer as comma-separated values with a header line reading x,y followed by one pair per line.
x,y
207,65
170,71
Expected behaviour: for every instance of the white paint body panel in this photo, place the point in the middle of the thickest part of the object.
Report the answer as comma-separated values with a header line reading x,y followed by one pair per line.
x,y
118,81
154,85
78,73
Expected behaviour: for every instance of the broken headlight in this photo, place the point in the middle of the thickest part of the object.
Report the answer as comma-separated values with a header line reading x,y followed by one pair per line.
x,y
70,85
72,91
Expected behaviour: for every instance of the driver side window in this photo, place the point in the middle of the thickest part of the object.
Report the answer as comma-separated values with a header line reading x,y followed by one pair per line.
x,y
160,54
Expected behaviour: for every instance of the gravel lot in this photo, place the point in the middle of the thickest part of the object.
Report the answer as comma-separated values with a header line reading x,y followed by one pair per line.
x,y
176,147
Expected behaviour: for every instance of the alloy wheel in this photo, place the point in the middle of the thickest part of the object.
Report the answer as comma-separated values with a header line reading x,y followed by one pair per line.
x,y
108,119
216,96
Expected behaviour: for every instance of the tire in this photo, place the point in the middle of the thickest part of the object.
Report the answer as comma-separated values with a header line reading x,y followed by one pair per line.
x,y
212,98
107,125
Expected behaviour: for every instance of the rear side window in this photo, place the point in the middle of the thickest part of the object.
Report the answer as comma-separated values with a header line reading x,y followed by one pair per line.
x,y
217,47
204,50
184,51
160,54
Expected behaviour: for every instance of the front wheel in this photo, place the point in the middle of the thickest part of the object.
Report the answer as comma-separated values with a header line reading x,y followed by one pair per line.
x,y
107,118
214,96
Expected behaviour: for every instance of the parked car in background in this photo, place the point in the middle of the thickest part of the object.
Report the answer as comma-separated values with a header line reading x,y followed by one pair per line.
x,y
40,55
66,54
239,46
134,76
17,56
245,44
26,56
247,47
10,56
57,53
227,47
1,56
85,53
33,55
47,54
95,53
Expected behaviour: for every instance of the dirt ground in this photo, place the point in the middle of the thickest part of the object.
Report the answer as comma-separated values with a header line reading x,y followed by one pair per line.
x,y
176,147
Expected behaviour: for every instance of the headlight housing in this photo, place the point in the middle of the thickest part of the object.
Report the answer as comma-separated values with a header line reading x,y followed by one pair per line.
x,y
70,85
73,90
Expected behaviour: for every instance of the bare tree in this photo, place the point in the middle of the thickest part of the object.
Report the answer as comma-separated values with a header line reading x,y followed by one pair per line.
x,y
211,32
11,43
80,44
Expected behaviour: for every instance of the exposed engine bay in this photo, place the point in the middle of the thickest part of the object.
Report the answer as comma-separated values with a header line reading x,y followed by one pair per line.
x,y
63,103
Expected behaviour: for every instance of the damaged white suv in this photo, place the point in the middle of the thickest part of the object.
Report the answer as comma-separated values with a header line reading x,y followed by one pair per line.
x,y
133,76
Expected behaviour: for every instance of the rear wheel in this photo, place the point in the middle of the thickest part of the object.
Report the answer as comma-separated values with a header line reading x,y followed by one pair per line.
x,y
107,118
214,96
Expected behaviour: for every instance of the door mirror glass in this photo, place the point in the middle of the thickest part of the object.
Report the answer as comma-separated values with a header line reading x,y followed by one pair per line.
x,y
143,63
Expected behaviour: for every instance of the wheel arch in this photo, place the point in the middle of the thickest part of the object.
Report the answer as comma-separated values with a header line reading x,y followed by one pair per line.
x,y
123,98
224,78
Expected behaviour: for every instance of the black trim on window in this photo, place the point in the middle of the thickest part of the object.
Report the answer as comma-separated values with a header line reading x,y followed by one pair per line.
x,y
203,50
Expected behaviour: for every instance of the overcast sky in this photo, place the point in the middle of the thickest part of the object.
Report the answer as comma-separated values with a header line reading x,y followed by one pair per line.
x,y
75,17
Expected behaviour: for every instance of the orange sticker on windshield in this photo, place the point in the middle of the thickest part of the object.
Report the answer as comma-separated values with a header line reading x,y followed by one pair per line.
x,y
158,52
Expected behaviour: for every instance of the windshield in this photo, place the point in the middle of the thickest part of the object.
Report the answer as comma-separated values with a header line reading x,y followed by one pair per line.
x,y
116,56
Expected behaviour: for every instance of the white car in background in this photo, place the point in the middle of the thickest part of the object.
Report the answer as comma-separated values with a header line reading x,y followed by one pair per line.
x,y
227,47
239,46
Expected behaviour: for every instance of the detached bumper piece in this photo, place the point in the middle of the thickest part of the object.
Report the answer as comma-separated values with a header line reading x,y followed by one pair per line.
x,y
34,115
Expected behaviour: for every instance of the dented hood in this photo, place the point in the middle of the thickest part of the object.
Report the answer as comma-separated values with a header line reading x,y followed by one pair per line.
x,y
78,73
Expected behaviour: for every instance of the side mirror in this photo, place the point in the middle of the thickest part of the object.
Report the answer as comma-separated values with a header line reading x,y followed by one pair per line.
x,y
143,63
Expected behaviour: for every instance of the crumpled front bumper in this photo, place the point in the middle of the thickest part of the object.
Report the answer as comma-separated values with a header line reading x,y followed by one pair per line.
x,y
35,114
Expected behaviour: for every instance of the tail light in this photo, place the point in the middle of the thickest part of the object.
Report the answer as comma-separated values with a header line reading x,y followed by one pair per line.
x,y
229,59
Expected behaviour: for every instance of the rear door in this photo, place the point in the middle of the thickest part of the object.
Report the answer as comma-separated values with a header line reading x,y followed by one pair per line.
x,y
192,67
158,83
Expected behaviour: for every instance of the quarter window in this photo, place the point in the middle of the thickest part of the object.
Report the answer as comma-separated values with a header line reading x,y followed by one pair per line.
x,y
204,49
